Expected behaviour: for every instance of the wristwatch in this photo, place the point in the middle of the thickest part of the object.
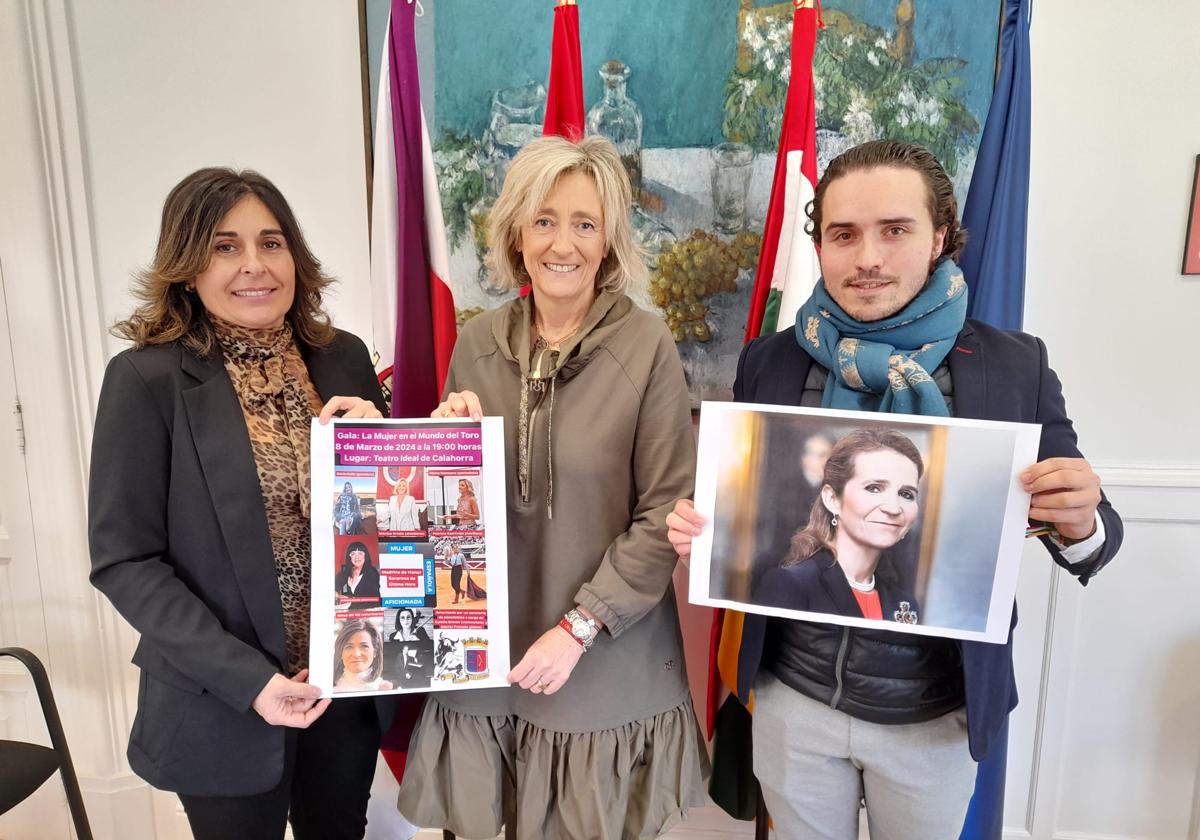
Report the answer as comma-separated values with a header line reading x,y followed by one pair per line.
x,y
582,629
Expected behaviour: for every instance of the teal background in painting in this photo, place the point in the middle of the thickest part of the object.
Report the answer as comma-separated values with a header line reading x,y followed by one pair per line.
x,y
680,53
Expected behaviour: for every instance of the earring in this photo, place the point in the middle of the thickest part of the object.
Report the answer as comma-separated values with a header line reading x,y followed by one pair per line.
x,y
833,521
191,287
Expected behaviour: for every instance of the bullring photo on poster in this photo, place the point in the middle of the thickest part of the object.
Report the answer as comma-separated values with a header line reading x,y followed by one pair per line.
x,y
893,522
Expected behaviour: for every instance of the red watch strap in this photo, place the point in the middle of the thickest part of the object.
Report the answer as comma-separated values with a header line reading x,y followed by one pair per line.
x,y
566,625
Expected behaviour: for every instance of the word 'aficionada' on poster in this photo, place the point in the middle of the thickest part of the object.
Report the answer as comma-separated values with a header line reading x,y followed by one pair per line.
x,y
409,556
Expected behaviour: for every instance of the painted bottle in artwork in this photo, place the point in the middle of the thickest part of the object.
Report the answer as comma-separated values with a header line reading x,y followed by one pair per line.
x,y
618,119
516,118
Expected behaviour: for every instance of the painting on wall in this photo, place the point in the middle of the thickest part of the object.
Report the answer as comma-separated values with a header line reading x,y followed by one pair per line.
x,y
692,93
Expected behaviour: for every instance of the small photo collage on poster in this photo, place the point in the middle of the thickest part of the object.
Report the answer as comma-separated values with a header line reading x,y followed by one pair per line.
x,y
411,578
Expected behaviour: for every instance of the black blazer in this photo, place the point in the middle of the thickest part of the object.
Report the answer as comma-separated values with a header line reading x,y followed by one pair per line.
x,y
996,375
818,584
368,587
180,545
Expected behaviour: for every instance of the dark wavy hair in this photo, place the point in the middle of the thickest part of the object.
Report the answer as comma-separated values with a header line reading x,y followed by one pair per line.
x,y
839,469
357,545
897,154
357,625
401,611
194,208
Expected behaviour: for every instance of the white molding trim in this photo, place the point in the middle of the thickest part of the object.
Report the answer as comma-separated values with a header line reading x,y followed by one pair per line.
x,y
1153,493
66,181
1125,474
58,377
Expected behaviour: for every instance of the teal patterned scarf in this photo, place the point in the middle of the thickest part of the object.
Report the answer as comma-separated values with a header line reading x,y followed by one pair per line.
x,y
885,365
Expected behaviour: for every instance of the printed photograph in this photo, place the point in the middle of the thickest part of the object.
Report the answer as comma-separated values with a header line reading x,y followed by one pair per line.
x,y
913,525
454,500
408,647
354,502
400,506
461,573
358,656
357,581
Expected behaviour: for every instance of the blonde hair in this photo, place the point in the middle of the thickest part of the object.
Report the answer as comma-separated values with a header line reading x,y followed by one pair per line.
x,y
533,174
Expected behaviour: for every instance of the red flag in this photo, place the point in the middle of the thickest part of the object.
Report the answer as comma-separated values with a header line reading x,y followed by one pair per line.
x,y
564,101
786,271
787,266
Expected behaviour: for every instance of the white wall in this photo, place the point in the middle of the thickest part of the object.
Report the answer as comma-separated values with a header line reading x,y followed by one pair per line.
x,y
1106,741
272,85
1116,131
106,107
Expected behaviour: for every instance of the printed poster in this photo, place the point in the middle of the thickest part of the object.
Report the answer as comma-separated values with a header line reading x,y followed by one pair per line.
x,y
884,521
409,556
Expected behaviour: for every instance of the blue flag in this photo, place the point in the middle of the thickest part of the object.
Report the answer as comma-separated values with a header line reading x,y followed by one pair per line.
x,y
995,217
996,211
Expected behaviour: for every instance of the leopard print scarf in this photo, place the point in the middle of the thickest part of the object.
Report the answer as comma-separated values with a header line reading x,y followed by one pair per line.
x,y
278,401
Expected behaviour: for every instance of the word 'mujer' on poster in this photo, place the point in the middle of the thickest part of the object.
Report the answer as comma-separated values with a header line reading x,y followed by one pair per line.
x,y
409,556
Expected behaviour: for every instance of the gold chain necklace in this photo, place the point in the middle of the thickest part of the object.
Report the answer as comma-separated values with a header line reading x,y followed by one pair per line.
x,y
554,344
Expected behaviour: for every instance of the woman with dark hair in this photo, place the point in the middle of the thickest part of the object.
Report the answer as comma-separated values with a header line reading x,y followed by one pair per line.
x,y
412,666
207,417
406,629
839,562
358,578
347,511
358,658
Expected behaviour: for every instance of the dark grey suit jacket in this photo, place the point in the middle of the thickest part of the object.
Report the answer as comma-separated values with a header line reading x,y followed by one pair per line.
x,y
180,545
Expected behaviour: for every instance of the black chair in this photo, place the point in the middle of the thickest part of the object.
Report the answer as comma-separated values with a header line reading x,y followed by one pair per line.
x,y
25,767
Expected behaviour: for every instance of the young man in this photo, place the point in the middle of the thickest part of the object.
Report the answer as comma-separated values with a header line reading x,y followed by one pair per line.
x,y
896,719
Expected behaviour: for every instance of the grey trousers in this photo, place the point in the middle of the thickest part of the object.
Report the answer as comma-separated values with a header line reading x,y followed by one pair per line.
x,y
815,764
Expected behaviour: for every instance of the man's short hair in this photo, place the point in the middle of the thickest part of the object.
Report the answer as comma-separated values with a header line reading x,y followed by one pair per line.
x,y
897,154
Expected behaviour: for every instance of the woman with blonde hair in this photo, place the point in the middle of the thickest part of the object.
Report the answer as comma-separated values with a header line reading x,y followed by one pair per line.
x,y
402,508
466,513
598,435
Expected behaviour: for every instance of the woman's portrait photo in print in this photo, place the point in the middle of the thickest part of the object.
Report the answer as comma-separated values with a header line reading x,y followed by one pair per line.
x,y
853,519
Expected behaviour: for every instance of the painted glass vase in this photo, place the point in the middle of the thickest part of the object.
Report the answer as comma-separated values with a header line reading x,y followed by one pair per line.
x,y
618,119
